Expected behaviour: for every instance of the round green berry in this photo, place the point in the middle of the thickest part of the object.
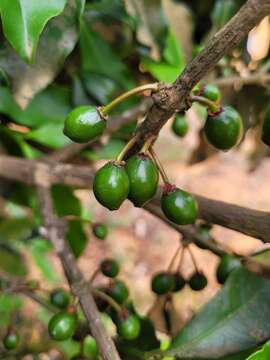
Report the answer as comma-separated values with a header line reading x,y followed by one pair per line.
x,y
11,340
227,264
60,298
119,291
143,178
89,347
180,125
224,129
109,267
111,185
100,231
210,92
129,327
197,281
179,282
162,283
83,124
62,325
179,206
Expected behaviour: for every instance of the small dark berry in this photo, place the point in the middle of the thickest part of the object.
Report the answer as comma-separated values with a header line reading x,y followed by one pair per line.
x,y
109,267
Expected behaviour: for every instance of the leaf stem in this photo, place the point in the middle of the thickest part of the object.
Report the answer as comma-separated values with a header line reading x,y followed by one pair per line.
x,y
107,108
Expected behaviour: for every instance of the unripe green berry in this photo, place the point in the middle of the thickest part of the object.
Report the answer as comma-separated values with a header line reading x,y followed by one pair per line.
x,y
162,283
62,325
11,340
119,291
60,298
109,267
84,123
197,281
227,264
129,327
89,347
180,125
100,231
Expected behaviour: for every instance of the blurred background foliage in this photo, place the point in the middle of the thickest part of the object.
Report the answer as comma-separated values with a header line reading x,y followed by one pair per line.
x,y
87,52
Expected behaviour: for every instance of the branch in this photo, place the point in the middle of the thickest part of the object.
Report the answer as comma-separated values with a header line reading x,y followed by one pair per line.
x,y
251,222
258,78
172,98
79,286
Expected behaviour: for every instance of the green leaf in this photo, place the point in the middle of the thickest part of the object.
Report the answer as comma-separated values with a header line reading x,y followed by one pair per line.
x,y
15,229
11,261
40,250
55,44
172,64
100,87
232,322
24,20
66,203
107,152
8,304
262,354
49,135
98,57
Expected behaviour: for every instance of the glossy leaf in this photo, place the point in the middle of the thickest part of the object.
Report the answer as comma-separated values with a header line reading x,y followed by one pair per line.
x,y
55,44
262,354
24,20
232,322
171,66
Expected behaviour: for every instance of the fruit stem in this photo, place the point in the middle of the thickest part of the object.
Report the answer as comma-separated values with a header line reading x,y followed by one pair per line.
x,y
108,299
159,166
107,108
170,267
193,259
214,107
148,143
181,259
126,148
94,275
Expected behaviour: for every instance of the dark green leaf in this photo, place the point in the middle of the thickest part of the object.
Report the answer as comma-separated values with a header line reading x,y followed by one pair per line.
x,y
98,57
8,304
232,322
100,87
56,43
76,237
23,22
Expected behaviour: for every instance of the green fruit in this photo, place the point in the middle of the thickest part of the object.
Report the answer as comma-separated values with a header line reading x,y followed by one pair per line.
x,y
89,347
210,92
143,178
197,281
111,185
11,340
100,231
129,327
180,126
83,124
119,292
60,298
62,325
179,282
227,264
266,128
179,206
223,130
109,267
162,283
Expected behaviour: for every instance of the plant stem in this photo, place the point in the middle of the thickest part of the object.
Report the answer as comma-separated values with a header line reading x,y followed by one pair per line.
x,y
214,107
159,166
94,275
193,259
147,144
102,295
174,258
126,148
107,108
77,218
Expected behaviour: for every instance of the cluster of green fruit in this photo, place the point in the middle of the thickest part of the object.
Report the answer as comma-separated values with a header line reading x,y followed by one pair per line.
x,y
166,282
